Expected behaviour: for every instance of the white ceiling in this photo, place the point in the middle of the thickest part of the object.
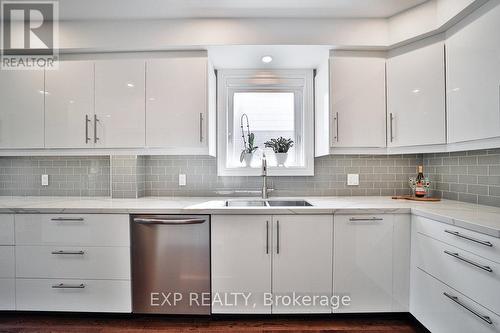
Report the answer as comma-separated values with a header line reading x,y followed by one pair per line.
x,y
158,9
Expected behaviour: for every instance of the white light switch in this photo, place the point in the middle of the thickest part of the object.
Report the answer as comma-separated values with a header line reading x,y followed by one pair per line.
x,y
45,180
352,179
182,179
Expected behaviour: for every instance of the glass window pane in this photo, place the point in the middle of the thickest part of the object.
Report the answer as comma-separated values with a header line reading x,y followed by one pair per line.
x,y
270,115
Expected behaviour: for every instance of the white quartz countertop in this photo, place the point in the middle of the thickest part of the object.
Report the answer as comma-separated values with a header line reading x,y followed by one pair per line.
x,y
484,219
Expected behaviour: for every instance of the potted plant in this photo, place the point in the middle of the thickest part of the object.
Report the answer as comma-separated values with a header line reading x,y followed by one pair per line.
x,y
280,147
248,142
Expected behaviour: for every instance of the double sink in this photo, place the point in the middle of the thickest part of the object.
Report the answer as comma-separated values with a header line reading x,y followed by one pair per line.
x,y
267,203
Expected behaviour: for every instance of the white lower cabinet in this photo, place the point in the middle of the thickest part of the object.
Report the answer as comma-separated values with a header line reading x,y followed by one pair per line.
x,y
442,309
7,278
371,262
302,263
271,257
71,262
73,295
241,262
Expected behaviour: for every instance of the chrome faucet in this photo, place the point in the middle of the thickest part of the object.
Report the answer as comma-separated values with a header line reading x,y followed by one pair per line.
x,y
264,177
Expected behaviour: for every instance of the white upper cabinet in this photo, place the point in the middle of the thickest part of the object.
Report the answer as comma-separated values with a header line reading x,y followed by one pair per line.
x,y
120,103
473,74
21,111
302,261
357,91
416,95
176,103
69,105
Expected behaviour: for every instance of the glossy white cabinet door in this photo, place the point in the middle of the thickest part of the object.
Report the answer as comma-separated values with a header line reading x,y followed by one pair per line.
x,y
241,262
69,105
120,103
357,90
21,114
363,262
176,103
416,95
302,261
439,313
473,74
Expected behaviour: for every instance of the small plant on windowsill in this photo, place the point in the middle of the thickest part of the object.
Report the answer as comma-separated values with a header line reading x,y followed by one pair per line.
x,y
280,146
248,142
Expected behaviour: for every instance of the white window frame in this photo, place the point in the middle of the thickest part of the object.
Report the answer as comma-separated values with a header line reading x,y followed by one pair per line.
x,y
299,81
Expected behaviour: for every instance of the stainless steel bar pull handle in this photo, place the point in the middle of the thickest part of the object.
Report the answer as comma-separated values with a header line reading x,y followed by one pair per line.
x,y
470,262
390,126
68,219
477,314
87,121
472,239
201,127
336,119
267,237
367,219
68,286
96,120
168,222
68,252
278,237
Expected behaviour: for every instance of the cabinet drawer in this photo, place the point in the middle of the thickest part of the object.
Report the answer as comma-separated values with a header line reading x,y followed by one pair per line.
x,y
439,313
73,262
72,229
477,243
7,294
73,295
7,262
474,276
6,229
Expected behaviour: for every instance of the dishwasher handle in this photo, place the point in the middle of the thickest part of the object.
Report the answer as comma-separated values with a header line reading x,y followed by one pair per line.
x,y
141,220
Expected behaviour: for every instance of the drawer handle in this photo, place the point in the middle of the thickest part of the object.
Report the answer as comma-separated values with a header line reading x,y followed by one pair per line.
x,y
68,286
477,314
68,252
370,219
168,222
470,262
456,233
69,219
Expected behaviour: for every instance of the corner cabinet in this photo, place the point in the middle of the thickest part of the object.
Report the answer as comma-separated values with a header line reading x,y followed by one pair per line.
x,y
177,104
357,94
416,94
372,262
473,76
22,94
270,258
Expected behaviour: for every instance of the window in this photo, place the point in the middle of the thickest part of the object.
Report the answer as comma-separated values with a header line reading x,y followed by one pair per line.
x,y
269,105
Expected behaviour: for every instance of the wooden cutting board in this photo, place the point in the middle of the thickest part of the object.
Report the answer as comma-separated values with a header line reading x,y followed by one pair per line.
x,y
410,197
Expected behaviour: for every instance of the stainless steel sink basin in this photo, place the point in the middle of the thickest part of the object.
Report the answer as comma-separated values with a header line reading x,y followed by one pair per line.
x,y
267,203
288,203
246,203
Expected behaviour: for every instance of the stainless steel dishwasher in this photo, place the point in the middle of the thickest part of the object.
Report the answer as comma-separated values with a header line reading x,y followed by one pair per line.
x,y
171,264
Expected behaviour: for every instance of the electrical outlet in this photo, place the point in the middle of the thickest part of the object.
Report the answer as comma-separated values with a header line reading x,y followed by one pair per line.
x,y
353,179
182,179
45,180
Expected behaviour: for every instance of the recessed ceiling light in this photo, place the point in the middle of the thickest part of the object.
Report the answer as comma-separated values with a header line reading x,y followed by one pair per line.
x,y
130,85
267,59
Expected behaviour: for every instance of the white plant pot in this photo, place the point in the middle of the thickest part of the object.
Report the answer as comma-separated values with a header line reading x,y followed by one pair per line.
x,y
247,159
281,158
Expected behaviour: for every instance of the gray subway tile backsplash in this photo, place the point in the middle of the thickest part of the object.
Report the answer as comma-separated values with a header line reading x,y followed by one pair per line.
x,y
472,176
